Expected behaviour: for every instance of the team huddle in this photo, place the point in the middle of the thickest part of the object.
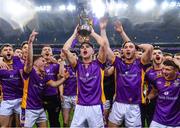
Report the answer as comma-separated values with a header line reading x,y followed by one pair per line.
x,y
146,84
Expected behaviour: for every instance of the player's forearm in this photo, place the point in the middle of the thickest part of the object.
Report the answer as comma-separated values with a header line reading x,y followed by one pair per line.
x,y
56,83
61,89
153,93
68,43
109,71
99,39
124,36
29,59
71,59
61,68
110,53
104,36
148,49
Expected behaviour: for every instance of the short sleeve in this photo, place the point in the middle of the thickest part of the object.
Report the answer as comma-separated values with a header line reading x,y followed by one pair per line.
x,y
102,65
117,61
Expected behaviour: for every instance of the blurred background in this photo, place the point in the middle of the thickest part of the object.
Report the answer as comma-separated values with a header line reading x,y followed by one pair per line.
x,y
145,21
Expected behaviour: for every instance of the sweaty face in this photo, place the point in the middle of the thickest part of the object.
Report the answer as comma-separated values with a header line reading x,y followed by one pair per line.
x,y
169,72
7,53
157,56
18,52
46,52
129,51
86,51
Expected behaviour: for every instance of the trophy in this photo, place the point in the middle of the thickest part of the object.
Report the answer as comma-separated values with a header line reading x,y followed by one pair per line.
x,y
85,23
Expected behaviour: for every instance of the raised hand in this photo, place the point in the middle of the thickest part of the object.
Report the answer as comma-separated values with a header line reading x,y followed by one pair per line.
x,y
75,33
32,36
118,26
92,31
103,23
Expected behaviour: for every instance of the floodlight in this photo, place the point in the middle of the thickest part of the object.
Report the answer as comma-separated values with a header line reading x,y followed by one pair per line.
x,y
145,5
98,8
62,8
71,7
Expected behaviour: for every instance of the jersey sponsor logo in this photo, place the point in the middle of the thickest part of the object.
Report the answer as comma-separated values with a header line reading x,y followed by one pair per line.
x,y
11,76
47,70
73,75
49,73
166,93
85,79
152,74
168,97
128,74
39,86
159,82
87,74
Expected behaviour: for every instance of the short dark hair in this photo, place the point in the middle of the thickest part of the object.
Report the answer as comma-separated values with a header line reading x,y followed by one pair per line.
x,y
171,63
157,48
135,45
17,49
116,50
23,43
6,45
126,43
91,45
46,45
167,54
177,54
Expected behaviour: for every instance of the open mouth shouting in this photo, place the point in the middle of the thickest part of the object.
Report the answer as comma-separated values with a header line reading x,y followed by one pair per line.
x,y
8,56
85,52
47,54
128,54
158,58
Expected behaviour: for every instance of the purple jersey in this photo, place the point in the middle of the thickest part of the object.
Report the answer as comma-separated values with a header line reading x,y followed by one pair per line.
x,y
51,72
17,63
33,90
167,110
151,75
70,85
90,83
129,81
12,85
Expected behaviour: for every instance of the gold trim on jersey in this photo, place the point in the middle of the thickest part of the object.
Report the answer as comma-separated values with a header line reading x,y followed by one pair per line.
x,y
25,93
142,85
103,98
